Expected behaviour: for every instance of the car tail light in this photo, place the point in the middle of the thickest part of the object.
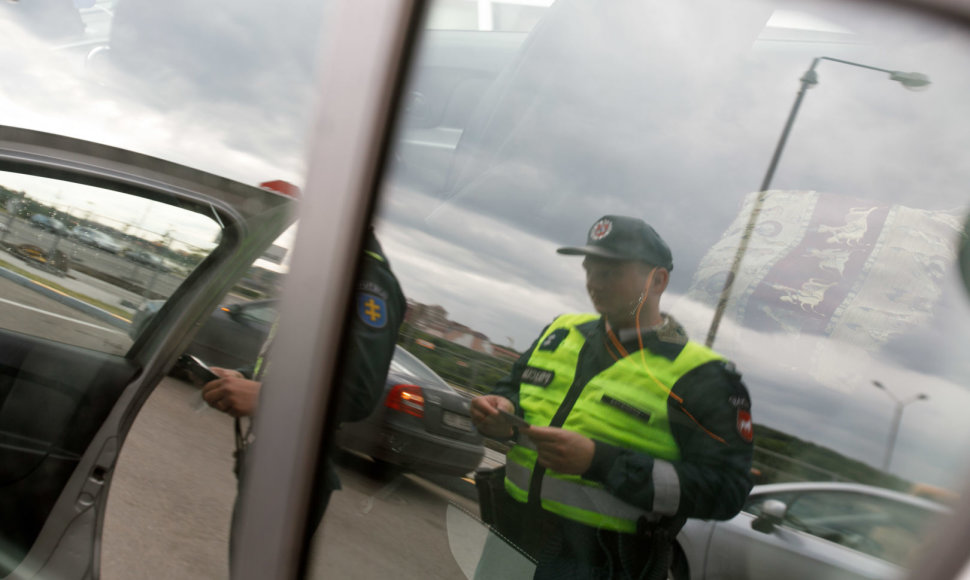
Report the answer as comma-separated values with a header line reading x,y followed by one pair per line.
x,y
407,399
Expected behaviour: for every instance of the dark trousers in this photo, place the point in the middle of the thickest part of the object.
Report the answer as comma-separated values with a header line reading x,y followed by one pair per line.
x,y
568,550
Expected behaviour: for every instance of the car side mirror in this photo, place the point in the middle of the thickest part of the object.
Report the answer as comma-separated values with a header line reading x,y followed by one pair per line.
x,y
772,512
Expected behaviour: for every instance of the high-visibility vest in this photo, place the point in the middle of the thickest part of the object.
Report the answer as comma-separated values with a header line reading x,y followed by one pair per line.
x,y
624,405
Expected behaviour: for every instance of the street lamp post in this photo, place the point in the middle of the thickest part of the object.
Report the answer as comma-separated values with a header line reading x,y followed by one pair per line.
x,y
910,80
897,418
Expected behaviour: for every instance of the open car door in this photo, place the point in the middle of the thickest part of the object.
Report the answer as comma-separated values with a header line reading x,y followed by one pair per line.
x,y
72,378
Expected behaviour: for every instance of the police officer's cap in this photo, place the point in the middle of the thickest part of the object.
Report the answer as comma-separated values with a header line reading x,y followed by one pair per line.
x,y
618,237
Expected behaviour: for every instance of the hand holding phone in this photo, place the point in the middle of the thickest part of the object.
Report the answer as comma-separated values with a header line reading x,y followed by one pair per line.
x,y
198,370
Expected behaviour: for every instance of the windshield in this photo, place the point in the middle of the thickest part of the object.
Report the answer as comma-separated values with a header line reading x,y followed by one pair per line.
x,y
804,163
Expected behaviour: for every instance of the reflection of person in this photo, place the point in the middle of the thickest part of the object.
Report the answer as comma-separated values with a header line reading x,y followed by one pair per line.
x,y
380,307
634,428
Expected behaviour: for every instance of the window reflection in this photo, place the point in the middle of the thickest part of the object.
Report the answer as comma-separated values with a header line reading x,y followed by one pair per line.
x,y
511,140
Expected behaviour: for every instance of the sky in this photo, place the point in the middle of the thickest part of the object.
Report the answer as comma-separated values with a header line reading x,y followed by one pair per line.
x,y
644,108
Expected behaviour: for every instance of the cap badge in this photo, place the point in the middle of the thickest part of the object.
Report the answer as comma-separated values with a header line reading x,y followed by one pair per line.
x,y
601,229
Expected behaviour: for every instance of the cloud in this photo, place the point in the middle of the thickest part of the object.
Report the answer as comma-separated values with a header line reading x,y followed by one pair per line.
x,y
199,92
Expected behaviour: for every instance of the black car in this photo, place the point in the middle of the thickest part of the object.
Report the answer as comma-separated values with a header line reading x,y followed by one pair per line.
x,y
231,337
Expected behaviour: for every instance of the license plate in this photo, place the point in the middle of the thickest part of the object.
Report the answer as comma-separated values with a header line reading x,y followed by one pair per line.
x,y
457,421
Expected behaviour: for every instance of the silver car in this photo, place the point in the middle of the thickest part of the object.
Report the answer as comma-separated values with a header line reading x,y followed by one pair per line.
x,y
96,239
807,531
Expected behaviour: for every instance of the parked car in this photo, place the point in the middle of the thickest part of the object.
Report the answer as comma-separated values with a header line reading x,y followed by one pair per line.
x,y
96,239
146,259
48,223
811,531
422,423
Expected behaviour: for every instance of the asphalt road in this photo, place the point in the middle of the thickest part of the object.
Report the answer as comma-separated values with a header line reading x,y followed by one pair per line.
x,y
26,311
172,493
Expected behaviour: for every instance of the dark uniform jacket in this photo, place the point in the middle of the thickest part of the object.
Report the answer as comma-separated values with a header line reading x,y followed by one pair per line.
x,y
378,311
711,427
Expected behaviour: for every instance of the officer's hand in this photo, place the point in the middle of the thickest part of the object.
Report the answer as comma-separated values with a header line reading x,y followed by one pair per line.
x,y
485,415
561,450
232,394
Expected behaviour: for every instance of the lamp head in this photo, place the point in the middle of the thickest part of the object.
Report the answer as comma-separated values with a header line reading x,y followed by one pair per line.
x,y
911,80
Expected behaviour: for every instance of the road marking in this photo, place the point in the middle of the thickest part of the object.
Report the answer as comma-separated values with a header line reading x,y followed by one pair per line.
x,y
69,319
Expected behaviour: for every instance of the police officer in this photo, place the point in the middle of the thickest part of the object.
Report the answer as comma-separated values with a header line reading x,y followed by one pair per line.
x,y
633,427
379,309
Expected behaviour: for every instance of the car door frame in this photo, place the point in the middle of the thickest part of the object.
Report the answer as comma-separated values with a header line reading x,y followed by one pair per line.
x,y
68,545
368,43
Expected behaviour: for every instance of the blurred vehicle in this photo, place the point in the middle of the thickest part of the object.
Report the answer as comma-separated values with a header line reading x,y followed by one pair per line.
x,y
231,337
809,530
147,259
96,239
48,223
422,423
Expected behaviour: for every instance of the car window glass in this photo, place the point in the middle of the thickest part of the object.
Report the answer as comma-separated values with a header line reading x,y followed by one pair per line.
x,y
845,312
875,526
81,261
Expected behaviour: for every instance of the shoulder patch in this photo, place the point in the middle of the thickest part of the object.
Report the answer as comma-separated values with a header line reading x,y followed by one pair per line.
x,y
538,377
552,341
745,426
372,310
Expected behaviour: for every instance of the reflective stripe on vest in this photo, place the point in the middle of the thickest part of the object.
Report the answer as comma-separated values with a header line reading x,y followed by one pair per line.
x,y
595,506
623,406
